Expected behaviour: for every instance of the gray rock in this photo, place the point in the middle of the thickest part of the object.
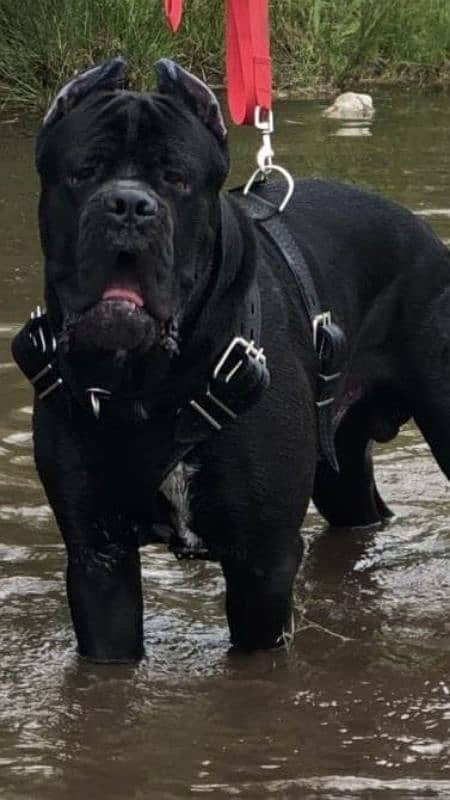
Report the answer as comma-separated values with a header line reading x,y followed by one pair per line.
x,y
351,105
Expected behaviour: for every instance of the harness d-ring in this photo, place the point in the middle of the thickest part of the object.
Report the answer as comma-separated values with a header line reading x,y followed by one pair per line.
x,y
263,173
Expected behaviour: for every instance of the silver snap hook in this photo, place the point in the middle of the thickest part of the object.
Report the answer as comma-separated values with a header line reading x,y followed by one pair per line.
x,y
265,155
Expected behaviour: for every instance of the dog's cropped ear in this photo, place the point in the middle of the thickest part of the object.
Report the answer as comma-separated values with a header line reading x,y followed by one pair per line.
x,y
173,79
109,75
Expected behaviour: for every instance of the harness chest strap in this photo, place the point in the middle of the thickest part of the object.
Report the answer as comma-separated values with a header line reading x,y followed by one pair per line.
x,y
235,382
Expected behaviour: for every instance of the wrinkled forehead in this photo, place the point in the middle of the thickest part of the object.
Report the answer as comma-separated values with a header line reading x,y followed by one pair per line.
x,y
126,124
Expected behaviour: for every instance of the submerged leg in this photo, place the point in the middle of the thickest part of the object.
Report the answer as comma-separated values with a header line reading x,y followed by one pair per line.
x,y
349,498
103,571
259,592
105,598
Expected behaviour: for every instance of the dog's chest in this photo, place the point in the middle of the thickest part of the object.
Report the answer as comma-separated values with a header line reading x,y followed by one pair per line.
x,y
177,489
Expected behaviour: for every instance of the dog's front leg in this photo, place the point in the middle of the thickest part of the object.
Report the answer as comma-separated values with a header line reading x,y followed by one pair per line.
x,y
103,571
250,496
259,584
105,597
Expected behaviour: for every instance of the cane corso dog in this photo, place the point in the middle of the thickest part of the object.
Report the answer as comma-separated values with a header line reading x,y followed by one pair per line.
x,y
149,267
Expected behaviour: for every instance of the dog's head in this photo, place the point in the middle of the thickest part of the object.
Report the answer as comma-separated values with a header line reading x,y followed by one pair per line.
x,y
129,206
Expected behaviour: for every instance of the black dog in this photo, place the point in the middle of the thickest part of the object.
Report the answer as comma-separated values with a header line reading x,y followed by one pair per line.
x,y
151,273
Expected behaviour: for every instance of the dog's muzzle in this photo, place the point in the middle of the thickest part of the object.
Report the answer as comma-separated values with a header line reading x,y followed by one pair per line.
x,y
110,325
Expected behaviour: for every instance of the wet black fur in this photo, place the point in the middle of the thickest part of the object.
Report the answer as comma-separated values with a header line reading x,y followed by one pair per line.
x,y
381,271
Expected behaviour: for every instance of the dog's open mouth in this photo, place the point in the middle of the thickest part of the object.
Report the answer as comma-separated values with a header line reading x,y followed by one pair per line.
x,y
123,317
124,286
124,294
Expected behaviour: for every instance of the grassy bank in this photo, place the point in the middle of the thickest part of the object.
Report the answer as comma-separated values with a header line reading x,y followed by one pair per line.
x,y
318,45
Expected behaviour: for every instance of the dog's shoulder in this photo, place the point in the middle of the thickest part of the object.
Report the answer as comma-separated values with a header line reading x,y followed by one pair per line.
x,y
328,202
339,220
358,244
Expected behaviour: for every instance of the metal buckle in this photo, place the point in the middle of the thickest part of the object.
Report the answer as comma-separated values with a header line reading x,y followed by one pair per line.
x,y
322,320
250,350
95,395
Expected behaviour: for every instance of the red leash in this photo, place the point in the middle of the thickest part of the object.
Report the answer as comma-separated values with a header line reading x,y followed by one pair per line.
x,y
248,62
249,66
173,10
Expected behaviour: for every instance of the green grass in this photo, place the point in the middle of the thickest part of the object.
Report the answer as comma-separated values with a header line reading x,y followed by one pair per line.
x,y
317,44
334,42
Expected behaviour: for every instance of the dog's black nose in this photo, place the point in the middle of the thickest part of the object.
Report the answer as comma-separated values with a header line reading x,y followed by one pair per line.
x,y
127,203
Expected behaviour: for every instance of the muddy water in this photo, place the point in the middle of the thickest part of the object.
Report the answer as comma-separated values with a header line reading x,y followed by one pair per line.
x,y
360,707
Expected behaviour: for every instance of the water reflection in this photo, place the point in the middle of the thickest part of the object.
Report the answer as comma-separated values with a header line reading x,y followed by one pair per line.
x,y
353,129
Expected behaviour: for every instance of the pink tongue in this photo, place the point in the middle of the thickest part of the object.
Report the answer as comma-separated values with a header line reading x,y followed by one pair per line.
x,y
117,293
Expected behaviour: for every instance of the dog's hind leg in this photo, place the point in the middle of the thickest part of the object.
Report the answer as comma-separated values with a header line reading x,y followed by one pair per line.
x,y
423,343
426,374
350,498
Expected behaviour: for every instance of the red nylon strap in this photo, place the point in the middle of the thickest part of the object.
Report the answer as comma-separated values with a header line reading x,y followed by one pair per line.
x,y
173,10
248,62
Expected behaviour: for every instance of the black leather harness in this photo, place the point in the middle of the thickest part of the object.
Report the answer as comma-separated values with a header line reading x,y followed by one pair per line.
x,y
328,339
234,385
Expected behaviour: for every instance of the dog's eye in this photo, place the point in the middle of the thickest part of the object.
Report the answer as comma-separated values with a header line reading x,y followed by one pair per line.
x,y
83,174
178,181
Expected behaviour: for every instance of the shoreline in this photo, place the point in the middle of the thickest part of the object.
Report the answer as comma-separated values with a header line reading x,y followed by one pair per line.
x,y
319,49
13,115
